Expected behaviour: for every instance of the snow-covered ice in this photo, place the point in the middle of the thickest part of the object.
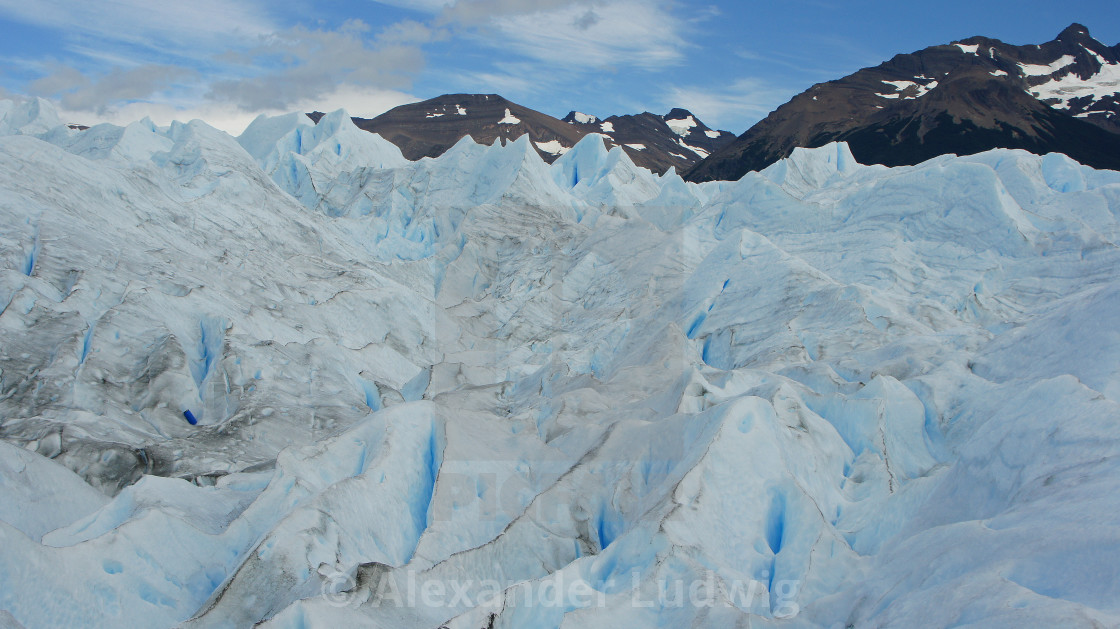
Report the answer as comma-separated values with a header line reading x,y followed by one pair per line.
x,y
485,391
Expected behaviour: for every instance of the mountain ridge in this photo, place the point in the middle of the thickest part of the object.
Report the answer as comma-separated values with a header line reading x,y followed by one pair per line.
x,y
672,140
429,128
964,97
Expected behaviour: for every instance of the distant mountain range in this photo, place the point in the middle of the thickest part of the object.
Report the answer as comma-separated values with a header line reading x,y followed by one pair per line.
x,y
965,97
427,129
969,96
678,139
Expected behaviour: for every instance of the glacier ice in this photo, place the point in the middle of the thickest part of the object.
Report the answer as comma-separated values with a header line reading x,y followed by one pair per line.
x,y
484,391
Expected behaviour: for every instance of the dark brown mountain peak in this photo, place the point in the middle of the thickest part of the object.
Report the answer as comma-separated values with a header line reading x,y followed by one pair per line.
x,y
431,127
1075,33
969,96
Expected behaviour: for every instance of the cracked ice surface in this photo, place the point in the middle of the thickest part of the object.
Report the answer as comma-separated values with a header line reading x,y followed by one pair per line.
x,y
482,391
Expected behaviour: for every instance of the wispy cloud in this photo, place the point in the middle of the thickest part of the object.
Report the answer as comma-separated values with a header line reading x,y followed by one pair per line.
x,y
80,92
704,13
239,56
426,6
302,63
215,57
734,107
830,57
164,28
512,84
581,33
483,11
365,102
586,35
478,11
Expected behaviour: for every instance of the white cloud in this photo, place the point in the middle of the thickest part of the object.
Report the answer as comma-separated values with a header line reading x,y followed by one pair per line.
x,y
278,70
78,91
504,83
219,58
734,107
304,63
585,35
427,6
224,117
410,32
169,28
362,102
470,11
480,11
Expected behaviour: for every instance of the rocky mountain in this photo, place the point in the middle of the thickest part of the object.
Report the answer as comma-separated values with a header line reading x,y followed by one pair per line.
x,y
969,96
429,128
675,140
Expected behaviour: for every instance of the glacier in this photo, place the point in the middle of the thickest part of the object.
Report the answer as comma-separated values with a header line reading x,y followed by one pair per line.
x,y
481,391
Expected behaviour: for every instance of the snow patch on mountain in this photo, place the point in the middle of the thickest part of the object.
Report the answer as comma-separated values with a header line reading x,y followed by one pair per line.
x,y
1046,70
552,146
682,126
918,89
1105,82
695,149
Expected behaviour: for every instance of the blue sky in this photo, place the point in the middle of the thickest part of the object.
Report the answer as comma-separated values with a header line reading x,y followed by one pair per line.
x,y
228,60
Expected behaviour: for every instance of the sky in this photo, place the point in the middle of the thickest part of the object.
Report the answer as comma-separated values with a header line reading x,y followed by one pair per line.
x,y
729,62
